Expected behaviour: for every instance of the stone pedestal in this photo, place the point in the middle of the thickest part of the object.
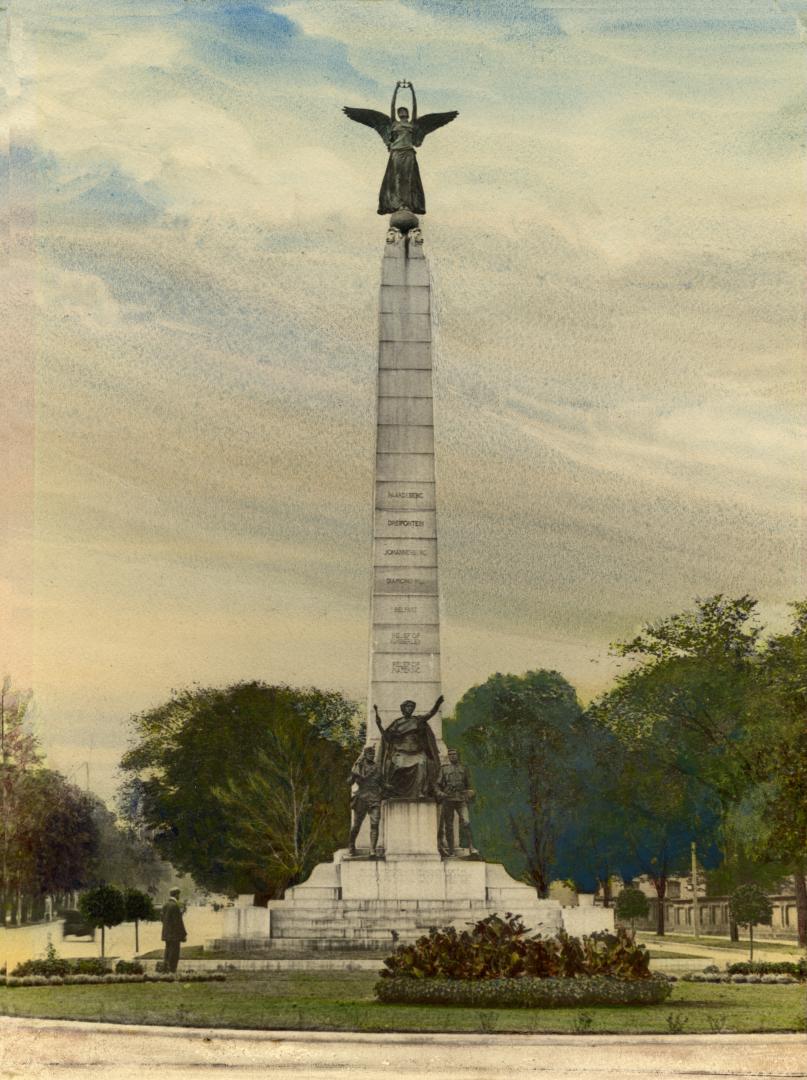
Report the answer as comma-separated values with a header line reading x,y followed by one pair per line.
x,y
409,827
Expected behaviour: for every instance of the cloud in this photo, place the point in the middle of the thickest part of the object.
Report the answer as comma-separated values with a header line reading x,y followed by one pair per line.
x,y
613,229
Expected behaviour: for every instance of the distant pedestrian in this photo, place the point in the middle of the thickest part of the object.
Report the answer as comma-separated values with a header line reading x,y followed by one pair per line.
x,y
174,932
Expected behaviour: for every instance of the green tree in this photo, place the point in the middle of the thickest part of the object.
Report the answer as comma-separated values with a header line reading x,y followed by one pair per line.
x,y
683,707
19,754
654,811
520,735
138,907
775,813
750,906
244,787
57,835
102,907
125,855
632,904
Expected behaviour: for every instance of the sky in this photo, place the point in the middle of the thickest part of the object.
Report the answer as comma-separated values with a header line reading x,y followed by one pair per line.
x,y
615,230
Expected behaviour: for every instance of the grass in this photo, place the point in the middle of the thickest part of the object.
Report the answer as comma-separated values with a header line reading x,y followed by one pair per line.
x,y
721,943
668,954
343,1001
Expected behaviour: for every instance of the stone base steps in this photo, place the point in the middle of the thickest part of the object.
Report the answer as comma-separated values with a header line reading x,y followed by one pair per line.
x,y
279,963
317,945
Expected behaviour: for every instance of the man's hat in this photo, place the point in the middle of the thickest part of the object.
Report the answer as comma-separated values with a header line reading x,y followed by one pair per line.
x,y
173,892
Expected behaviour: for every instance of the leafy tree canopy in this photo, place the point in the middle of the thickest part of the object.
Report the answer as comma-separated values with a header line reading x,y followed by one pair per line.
x,y
103,906
522,737
245,787
632,904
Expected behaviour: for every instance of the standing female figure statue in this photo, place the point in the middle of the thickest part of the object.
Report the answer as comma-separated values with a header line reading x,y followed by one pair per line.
x,y
401,188
410,760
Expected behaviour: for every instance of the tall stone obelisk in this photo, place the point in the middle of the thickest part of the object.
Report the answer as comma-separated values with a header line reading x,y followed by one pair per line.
x,y
362,899
405,619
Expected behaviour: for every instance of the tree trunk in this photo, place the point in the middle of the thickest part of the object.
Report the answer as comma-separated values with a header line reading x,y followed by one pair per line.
x,y
137,938
660,885
734,930
751,941
801,905
103,929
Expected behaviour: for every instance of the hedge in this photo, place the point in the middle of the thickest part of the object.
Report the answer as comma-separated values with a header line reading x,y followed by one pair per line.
x,y
723,977
53,965
94,980
524,991
769,967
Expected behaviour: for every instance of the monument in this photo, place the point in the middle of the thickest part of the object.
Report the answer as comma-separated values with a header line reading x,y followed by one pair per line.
x,y
402,871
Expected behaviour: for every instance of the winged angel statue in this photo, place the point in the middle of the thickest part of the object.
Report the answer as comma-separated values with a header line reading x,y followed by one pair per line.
x,y
401,188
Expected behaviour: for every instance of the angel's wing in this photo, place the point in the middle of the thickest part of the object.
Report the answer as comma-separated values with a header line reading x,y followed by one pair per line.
x,y
372,118
424,125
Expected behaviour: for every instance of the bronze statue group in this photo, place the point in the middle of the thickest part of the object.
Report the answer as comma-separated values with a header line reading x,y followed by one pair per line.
x,y
409,767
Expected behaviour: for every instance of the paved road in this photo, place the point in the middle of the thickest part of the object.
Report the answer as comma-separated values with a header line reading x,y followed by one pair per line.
x,y
64,1050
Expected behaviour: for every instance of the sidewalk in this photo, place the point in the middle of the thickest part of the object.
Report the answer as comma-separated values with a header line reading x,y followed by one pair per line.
x,y
64,1050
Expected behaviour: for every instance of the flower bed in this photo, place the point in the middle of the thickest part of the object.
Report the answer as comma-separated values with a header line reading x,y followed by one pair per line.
x,y
496,963
524,992
501,948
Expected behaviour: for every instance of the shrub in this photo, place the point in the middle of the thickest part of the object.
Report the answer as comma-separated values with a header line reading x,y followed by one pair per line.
x,y
49,965
91,966
523,992
497,948
126,967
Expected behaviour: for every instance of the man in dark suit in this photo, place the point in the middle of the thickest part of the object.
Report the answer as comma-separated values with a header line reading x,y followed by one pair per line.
x,y
173,930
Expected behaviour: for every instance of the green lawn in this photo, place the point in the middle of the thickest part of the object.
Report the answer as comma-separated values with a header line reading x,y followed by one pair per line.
x,y
668,954
720,943
343,1001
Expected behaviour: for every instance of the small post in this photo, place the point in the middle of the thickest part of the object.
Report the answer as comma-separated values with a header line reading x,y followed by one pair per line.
x,y
695,911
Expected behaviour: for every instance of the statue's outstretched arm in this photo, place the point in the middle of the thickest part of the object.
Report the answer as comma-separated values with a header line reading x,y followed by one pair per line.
x,y
435,708
414,105
392,104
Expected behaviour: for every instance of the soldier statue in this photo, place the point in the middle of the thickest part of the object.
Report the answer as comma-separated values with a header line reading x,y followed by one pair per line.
x,y
455,793
366,800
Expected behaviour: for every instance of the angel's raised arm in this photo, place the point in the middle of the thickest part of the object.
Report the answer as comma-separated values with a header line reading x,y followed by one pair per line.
x,y
371,118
